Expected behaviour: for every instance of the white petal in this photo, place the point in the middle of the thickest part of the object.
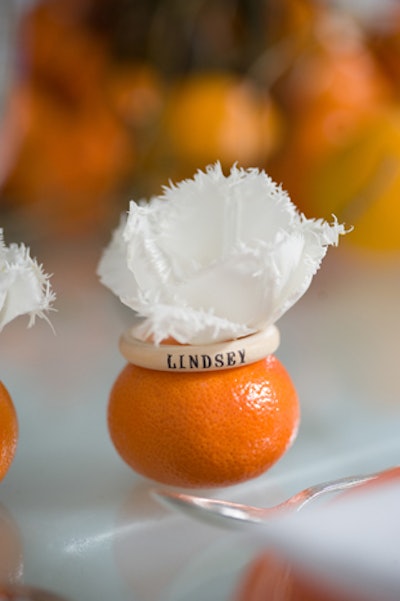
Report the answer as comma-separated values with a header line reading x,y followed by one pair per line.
x,y
215,257
24,287
186,323
113,268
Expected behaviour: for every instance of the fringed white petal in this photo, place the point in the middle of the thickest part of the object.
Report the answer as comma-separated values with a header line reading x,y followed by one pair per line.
x,y
214,257
186,323
24,287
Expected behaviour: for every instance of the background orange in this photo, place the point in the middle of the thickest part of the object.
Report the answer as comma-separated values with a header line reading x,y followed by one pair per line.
x,y
108,101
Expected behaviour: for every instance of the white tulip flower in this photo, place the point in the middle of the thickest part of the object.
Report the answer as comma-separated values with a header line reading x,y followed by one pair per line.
x,y
215,257
24,287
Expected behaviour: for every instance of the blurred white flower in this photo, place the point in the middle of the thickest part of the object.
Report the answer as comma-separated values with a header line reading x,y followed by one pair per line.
x,y
24,287
214,258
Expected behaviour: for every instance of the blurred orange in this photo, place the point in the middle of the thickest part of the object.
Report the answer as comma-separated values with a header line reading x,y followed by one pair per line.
x,y
84,124
214,116
332,90
67,163
384,41
269,577
70,148
360,183
136,92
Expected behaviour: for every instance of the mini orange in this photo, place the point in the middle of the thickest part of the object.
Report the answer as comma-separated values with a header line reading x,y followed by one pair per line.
x,y
8,431
203,429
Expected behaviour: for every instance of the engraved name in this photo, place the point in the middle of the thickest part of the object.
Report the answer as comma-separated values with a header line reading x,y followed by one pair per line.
x,y
203,361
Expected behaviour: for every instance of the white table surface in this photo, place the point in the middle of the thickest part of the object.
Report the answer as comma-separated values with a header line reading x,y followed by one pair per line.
x,y
86,524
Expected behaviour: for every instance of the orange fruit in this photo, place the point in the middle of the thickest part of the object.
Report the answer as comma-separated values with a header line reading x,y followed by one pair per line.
x,y
331,92
203,429
8,431
270,577
360,183
214,116
66,150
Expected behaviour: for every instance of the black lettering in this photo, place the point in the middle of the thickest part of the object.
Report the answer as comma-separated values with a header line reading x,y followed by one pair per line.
x,y
219,360
193,361
231,358
181,358
206,361
241,355
171,365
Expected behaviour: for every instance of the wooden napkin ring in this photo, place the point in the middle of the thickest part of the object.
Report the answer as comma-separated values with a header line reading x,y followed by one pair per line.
x,y
204,357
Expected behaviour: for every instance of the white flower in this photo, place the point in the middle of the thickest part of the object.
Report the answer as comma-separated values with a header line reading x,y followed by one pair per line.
x,y
24,287
215,257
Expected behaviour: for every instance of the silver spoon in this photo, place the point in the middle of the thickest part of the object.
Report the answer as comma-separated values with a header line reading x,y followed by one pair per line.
x,y
229,514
